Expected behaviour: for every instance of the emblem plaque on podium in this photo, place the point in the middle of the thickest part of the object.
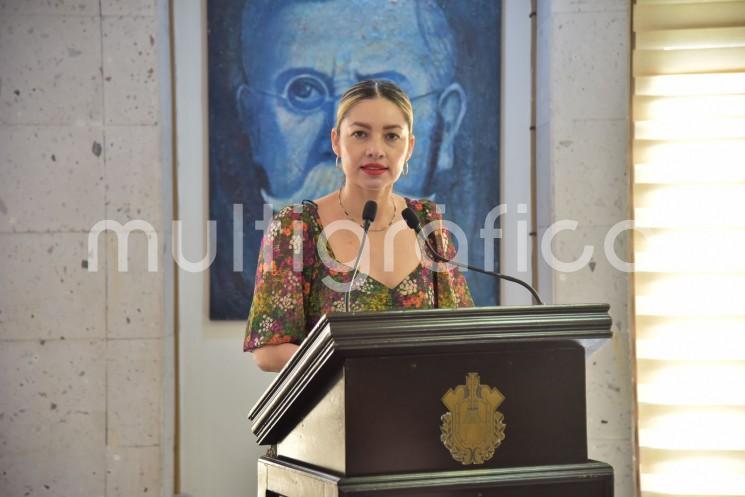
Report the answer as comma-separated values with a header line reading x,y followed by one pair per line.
x,y
472,429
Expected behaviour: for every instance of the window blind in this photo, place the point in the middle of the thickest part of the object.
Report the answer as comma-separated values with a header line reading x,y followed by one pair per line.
x,y
688,115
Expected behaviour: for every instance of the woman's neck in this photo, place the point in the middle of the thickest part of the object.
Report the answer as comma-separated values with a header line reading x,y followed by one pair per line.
x,y
354,198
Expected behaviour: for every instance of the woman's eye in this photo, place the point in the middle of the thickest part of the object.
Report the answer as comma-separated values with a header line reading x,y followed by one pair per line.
x,y
393,136
359,134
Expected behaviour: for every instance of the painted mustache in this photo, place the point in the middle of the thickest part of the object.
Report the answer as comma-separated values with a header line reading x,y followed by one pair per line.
x,y
321,180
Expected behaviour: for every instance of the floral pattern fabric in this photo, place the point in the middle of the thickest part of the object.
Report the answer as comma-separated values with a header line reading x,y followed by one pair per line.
x,y
290,294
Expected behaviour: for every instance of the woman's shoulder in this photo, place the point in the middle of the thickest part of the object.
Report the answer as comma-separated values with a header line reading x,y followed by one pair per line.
x,y
296,212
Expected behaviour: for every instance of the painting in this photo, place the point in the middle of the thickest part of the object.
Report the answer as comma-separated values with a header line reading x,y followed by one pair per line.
x,y
276,69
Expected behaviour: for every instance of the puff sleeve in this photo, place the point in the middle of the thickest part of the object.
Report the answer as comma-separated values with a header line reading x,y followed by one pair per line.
x,y
277,311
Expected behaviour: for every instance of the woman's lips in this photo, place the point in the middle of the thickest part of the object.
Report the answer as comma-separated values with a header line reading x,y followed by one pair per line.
x,y
374,169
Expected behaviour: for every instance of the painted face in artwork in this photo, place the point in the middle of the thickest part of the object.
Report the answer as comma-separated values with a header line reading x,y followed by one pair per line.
x,y
299,56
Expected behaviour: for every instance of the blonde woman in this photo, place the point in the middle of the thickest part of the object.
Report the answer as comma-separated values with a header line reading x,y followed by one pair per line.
x,y
300,274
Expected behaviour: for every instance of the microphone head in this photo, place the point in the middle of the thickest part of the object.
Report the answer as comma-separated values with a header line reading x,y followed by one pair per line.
x,y
369,211
411,219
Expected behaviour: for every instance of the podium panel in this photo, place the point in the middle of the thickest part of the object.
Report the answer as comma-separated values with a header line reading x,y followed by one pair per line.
x,y
395,408
279,478
465,402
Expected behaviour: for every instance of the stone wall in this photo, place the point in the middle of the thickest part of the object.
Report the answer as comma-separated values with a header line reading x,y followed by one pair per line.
x,y
583,78
85,392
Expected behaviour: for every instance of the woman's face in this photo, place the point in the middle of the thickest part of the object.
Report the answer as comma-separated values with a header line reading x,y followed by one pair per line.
x,y
373,143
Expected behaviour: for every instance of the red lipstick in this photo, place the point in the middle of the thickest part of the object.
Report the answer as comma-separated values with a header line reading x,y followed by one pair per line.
x,y
374,168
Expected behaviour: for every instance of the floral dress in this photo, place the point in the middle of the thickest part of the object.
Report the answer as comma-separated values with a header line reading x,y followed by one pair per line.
x,y
298,279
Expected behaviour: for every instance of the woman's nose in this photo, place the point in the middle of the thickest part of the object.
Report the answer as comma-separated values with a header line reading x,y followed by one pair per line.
x,y
375,149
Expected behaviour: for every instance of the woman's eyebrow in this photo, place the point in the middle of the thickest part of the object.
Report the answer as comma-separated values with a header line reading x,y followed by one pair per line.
x,y
367,126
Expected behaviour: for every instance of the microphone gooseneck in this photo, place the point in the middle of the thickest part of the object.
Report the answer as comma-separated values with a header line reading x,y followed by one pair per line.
x,y
369,211
412,221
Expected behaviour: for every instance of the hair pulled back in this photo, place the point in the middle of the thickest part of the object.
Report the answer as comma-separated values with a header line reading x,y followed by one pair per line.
x,y
375,88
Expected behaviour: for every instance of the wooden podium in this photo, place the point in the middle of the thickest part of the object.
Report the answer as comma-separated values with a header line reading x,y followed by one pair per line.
x,y
486,401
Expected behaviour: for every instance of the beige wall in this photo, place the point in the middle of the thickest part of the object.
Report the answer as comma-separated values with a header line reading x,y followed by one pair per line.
x,y
583,52
218,381
84,355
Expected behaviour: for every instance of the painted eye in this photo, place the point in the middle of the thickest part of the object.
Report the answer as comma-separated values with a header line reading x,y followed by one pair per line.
x,y
306,93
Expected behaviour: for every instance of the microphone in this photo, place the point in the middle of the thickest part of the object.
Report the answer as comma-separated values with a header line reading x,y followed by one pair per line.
x,y
413,222
368,216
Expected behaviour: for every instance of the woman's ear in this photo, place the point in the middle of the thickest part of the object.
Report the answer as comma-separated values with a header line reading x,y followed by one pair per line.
x,y
412,142
335,141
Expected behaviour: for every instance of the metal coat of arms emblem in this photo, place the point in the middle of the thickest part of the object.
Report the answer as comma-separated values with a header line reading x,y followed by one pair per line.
x,y
472,428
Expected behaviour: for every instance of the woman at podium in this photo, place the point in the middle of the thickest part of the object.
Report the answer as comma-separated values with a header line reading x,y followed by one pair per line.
x,y
307,255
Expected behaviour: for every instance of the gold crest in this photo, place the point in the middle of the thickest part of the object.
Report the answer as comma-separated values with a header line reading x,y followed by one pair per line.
x,y
473,428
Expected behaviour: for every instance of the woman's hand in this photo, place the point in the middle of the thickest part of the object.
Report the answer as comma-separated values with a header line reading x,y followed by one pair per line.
x,y
272,358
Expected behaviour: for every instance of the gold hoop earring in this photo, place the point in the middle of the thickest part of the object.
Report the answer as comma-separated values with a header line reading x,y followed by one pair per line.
x,y
406,168
337,163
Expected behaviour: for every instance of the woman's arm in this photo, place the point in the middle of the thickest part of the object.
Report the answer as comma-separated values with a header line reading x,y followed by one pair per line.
x,y
276,320
272,358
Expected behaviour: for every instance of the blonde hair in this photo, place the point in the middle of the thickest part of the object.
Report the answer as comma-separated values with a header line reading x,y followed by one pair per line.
x,y
375,88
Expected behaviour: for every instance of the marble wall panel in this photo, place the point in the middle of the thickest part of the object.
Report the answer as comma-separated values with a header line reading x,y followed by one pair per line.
x,y
52,417
50,68
78,469
168,435
544,200
50,7
545,272
47,290
52,178
133,174
135,296
80,415
582,158
598,280
135,377
543,66
591,171
618,454
579,6
128,7
129,67
609,392
590,80
133,471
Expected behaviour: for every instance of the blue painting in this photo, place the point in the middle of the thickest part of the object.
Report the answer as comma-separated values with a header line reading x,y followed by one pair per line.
x,y
276,70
